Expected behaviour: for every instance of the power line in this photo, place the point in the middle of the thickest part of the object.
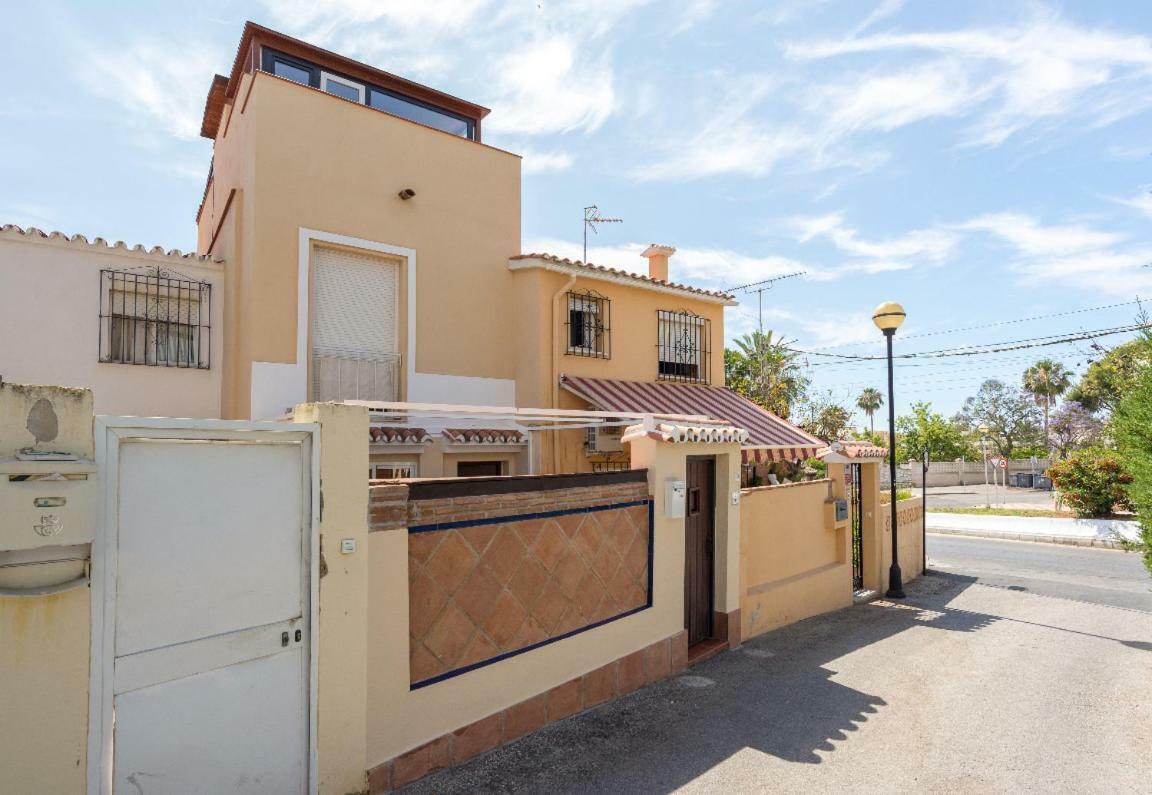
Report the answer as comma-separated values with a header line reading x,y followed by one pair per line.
x,y
993,324
980,350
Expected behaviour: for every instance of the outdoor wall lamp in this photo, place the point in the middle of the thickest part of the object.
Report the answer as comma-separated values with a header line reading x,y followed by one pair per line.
x,y
888,317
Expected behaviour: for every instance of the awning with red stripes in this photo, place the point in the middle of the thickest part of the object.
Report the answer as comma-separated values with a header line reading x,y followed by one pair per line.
x,y
770,438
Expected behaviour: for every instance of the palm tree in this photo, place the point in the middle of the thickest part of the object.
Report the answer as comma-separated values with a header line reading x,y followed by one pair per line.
x,y
1045,381
770,374
869,402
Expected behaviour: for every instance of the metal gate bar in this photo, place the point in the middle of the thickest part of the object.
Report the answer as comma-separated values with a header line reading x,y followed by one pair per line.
x,y
857,495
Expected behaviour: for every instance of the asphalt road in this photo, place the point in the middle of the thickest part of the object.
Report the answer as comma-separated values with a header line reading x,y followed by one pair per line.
x,y
981,495
970,685
1100,576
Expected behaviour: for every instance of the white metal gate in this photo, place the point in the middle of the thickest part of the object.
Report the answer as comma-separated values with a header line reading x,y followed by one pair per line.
x,y
203,600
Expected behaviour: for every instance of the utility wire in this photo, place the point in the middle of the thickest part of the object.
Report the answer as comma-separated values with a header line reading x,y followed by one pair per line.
x,y
986,325
980,350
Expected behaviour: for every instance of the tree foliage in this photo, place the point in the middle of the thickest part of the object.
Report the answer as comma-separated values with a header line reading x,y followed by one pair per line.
x,y
823,417
1046,381
1011,415
765,370
925,429
1073,427
869,402
1108,379
1132,430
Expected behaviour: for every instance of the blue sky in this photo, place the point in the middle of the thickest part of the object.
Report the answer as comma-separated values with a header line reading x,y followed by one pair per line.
x,y
981,162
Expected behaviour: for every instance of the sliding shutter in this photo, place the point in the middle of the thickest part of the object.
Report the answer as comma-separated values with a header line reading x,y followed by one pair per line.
x,y
354,326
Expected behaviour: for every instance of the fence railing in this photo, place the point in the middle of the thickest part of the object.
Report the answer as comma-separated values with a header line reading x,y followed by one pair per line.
x,y
344,376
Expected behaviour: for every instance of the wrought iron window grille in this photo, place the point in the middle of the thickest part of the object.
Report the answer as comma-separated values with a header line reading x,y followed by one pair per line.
x,y
154,317
683,343
588,325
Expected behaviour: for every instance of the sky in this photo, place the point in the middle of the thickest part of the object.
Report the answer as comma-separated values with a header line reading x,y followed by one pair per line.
x,y
984,163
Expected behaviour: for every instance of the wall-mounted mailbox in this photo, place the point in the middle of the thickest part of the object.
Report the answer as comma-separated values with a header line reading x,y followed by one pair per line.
x,y
47,525
47,503
675,493
841,510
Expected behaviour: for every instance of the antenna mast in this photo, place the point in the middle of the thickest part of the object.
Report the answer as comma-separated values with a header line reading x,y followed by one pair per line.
x,y
760,288
591,218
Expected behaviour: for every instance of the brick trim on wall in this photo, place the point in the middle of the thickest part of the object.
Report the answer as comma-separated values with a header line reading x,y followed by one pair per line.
x,y
618,678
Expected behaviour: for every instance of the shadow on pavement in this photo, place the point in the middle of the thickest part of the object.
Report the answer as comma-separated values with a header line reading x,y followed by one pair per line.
x,y
772,695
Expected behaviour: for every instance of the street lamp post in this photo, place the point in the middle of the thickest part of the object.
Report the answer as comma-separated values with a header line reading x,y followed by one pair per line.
x,y
888,317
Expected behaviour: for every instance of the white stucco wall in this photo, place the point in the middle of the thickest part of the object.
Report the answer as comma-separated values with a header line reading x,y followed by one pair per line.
x,y
50,299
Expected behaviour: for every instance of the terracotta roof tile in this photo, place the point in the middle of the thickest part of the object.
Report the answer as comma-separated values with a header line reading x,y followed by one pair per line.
x,y
32,233
603,269
378,435
483,436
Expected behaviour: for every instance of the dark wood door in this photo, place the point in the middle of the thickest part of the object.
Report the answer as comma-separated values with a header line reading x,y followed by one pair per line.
x,y
699,548
478,469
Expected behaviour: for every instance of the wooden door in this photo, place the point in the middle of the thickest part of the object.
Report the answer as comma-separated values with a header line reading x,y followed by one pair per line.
x,y
699,548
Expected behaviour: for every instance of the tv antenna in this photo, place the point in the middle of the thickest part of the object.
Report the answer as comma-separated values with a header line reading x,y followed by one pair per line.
x,y
592,217
760,288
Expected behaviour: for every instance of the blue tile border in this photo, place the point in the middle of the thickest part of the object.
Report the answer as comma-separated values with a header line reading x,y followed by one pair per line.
x,y
543,515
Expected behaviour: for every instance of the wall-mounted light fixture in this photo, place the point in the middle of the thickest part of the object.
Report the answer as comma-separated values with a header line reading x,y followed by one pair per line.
x,y
407,194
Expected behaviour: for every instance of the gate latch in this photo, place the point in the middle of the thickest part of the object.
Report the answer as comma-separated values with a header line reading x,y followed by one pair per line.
x,y
283,638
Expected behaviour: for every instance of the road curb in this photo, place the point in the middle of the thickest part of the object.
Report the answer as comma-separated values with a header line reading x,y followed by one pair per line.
x,y
1075,541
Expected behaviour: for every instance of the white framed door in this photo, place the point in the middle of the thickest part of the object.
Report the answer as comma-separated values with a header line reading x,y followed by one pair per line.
x,y
204,595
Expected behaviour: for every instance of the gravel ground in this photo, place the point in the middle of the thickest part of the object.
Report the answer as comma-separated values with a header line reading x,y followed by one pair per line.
x,y
963,687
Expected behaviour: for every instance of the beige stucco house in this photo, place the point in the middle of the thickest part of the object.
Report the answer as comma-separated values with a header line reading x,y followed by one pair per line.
x,y
142,328
360,241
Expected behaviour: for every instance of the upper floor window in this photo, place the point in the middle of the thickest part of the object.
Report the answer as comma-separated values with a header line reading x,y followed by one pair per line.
x,y
342,88
589,332
683,343
154,318
367,94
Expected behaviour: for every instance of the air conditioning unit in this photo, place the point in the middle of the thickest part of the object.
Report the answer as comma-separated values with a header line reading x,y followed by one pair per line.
x,y
604,440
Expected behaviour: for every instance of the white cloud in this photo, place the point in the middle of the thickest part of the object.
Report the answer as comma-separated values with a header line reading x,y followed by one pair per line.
x,y
1141,202
902,252
544,162
551,86
544,68
1032,239
1042,69
152,88
887,8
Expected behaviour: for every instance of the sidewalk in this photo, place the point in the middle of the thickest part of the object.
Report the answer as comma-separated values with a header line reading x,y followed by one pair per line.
x,y
1080,532
960,688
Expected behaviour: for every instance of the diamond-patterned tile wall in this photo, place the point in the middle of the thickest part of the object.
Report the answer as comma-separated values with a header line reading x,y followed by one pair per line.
x,y
484,590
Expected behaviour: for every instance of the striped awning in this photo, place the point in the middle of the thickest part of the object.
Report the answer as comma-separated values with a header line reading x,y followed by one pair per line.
x,y
769,437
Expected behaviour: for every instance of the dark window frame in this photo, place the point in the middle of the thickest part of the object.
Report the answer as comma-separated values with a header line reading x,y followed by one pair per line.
x,y
681,354
137,321
269,57
585,337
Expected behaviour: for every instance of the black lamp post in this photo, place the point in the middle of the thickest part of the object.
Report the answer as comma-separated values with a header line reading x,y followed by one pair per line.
x,y
888,317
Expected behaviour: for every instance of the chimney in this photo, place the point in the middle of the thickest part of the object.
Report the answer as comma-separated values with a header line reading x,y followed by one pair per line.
x,y
658,260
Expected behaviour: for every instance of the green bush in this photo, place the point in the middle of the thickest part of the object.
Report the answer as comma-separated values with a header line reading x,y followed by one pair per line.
x,y
1092,482
901,494
1132,429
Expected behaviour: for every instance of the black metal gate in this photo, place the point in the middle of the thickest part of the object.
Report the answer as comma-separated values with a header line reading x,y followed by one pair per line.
x,y
856,495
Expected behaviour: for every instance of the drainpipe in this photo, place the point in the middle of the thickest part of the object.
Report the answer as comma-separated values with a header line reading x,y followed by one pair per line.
x,y
556,366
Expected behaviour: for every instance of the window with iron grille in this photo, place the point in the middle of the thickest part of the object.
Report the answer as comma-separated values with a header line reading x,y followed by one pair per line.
x,y
589,332
683,342
153,317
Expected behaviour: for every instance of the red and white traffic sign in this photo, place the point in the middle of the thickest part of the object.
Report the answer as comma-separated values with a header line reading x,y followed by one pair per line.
x,y
1000,462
